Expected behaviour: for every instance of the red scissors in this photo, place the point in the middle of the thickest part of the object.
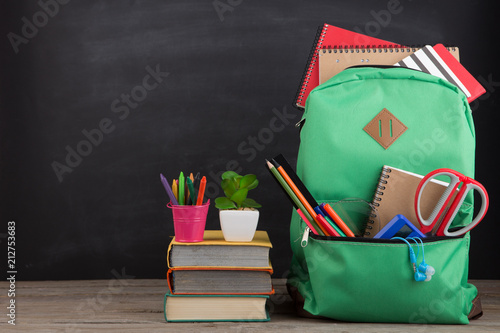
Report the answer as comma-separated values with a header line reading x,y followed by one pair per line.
x,y
440,209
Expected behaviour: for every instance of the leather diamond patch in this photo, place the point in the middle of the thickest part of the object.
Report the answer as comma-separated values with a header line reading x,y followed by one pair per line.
x,y
385,128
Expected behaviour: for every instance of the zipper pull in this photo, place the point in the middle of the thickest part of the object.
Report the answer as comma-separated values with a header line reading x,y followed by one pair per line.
x,y
305,237
300,123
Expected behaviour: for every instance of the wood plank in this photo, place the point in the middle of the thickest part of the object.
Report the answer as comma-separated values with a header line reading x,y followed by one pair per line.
x,y
133,305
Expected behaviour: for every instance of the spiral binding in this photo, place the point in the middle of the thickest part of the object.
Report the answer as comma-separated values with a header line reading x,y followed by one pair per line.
x,y
369,49
379,192
311,62
374,48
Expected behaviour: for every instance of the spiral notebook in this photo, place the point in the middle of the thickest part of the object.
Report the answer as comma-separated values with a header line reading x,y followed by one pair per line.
x,y
329,36
395,194
334,60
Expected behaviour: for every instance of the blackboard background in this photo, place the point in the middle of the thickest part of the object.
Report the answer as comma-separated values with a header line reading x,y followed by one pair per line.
x,y
228,76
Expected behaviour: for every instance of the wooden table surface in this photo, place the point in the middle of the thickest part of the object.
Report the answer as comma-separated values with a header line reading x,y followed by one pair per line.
x,y
133,305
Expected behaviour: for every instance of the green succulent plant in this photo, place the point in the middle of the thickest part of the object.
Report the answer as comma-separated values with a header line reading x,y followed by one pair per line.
x,y
236,189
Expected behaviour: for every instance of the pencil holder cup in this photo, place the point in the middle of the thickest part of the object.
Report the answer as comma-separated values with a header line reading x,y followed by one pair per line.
x,y
189,222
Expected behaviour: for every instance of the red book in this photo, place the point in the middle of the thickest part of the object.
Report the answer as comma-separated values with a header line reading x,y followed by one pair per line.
x,y
329,36
473,86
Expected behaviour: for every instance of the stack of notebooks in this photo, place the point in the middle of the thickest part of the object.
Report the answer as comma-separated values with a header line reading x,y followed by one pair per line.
x,y
215,280
335,49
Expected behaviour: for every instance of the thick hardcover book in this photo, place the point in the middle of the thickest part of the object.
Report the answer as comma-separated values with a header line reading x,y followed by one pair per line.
x,y
215,308
219,281
214,251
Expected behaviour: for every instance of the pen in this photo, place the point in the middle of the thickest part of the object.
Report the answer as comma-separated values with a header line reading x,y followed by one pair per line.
x,y
303,217
338,231
309,220
307,195
191,190
331,229
181,189
201,191
168,189
336,218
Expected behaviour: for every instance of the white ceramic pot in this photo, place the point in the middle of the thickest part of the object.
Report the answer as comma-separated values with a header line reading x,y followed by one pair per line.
x,y
238,225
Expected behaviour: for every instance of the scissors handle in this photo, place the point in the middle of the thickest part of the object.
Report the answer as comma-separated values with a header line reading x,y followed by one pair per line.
x,y
456,179
473,185
427,225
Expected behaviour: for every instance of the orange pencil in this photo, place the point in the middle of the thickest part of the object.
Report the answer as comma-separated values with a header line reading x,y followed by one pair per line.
x,y
321,223
201,191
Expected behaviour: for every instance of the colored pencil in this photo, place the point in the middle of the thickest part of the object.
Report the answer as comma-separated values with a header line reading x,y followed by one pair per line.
x,y
182,182
201,191
323,225
190,186
175,190
281,160
170,193
309,220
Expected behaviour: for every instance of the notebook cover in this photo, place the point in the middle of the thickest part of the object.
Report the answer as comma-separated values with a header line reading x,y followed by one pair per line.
x,y
213,320
330,36
333,61
396,195
474,87
171,270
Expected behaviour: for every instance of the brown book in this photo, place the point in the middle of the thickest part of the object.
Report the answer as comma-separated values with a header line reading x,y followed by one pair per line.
x,y
395,194
333,61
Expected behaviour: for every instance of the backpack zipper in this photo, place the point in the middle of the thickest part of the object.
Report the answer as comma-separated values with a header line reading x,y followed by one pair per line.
x,y
305,237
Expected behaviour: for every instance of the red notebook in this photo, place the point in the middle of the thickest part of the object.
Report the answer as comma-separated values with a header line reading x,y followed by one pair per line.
x,y
329,36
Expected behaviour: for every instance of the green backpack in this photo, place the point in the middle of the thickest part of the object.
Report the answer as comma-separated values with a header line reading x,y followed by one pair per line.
x,y
353,124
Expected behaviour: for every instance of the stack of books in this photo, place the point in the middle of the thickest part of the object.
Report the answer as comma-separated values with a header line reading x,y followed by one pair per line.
x,y
215,280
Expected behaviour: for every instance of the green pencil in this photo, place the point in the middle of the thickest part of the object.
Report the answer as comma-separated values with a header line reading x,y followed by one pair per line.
x,y
292,195
192,195
181,188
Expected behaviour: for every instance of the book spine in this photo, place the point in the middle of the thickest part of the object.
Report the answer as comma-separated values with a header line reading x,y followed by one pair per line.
x,y
377,198
311,63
